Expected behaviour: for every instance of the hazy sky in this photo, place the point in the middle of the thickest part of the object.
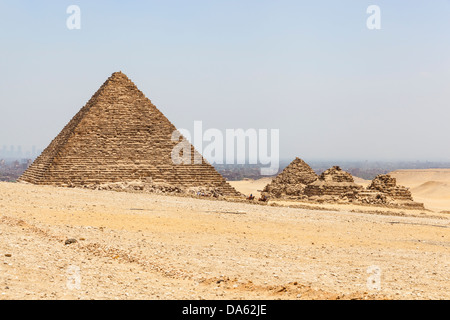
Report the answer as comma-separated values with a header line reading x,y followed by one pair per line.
x,y
334,88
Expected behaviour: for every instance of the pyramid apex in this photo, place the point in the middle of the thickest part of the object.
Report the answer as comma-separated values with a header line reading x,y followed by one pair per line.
x,y
118,74
118,77
298,160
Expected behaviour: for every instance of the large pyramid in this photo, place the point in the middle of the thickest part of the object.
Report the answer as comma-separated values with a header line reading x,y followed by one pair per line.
x,y
292,180
119,135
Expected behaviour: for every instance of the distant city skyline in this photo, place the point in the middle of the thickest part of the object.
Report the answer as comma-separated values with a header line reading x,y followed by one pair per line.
x,y
335,88
18,152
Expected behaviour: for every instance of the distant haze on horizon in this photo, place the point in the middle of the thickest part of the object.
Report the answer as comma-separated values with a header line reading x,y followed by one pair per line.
x,y
312,69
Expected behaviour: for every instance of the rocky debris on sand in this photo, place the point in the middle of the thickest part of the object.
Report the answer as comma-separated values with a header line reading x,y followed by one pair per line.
x,y
137,185
149,186
205,192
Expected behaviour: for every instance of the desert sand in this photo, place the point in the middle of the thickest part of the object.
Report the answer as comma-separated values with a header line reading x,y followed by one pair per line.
x,y
149,246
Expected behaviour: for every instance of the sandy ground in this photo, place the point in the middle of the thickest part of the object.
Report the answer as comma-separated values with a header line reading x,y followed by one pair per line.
x,y
141,246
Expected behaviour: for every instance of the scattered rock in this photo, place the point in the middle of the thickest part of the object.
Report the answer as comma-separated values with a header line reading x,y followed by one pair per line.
x,y
70,241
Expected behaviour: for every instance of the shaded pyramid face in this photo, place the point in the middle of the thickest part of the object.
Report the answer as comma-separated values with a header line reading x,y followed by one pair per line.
x,y
119,135
292,180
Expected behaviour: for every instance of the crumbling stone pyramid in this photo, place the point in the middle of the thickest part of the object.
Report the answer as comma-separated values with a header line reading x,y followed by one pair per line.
x,y
384,191
386,184
292,180
335,183
119,135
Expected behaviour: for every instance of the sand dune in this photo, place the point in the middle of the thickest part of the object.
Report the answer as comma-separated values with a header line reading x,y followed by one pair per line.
x,y
430,186
415,177
433,189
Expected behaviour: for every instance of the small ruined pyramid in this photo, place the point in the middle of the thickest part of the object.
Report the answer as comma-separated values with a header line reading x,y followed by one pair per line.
x,y
292,180
334,182
119,135
388,185
336,174
384,191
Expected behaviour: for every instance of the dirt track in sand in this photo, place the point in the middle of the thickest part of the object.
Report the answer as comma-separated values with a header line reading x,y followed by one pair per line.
x,y
138,246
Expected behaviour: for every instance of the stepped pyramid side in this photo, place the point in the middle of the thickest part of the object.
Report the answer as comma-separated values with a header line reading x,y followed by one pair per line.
x,y
292,180
119,135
